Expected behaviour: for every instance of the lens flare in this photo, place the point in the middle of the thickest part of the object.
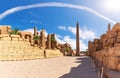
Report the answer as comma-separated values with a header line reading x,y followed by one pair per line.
x,y
112,5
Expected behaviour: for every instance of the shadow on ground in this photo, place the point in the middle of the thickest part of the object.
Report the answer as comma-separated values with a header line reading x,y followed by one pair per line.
x,y
84,70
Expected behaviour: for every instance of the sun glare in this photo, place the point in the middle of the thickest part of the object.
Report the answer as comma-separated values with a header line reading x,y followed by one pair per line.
x,y
112,5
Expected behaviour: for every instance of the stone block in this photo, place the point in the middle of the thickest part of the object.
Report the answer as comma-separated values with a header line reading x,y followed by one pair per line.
x,y
113,62
116,27
116,52
113,34
110,51
118,33
118,39
118,67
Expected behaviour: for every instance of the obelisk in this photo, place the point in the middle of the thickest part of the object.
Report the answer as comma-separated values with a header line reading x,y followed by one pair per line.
x,y
77,40
108,26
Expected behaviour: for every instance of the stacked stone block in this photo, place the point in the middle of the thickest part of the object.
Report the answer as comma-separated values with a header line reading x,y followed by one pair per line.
x,y
106,50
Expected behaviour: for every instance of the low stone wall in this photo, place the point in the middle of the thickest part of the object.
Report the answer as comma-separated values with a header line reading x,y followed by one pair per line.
x,y
22,50
108,58
17,56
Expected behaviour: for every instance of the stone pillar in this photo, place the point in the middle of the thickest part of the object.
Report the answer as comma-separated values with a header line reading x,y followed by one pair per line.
x,y
42,38
89,47
35,31
53,41
77,40
108,26
49,41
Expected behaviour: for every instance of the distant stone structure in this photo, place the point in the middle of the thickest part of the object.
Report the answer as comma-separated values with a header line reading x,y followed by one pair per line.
x,y
42,39
5,29
106,50
49,41
29,45
77,40
35,31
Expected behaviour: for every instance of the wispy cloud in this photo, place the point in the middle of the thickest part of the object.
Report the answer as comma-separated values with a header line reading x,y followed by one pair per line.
x,y
29,30
62,27
34,15
85,33
59,39
71,41
53,4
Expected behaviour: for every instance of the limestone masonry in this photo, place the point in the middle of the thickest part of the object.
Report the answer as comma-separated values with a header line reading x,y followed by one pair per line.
x,y
20,45
106,50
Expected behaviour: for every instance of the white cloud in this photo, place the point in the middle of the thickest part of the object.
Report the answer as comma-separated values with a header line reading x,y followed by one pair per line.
x,y
71,41
72,29
29,30
85,33
46,33
62,27
53,4
34,15
59,39
83,46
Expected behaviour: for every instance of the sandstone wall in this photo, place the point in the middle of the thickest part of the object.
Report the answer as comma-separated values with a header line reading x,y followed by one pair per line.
x,y
106,50
22,50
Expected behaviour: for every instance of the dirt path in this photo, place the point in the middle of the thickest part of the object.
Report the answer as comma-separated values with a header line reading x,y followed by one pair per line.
x,y
61,67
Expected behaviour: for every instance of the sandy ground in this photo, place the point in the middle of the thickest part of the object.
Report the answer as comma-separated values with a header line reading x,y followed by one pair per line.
x,y
61,67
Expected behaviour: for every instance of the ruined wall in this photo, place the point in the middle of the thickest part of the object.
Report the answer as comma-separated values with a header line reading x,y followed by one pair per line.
x,y
42,39
106,50
22,45
22,50
49,41
5,30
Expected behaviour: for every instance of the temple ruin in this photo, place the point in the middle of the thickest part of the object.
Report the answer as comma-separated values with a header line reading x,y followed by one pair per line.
x,y
26,45
106,51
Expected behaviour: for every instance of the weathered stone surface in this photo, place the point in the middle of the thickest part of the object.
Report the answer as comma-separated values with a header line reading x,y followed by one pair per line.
x,y
5,30
118,67
48,41
118,33
77,40
106,50
113,34
118,39
42,39
22,46
116,27
116,52
113,62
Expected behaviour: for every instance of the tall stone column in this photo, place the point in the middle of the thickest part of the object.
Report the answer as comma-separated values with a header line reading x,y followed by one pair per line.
x,y
42,38
108,26
49,41
53,42
77,40
35,31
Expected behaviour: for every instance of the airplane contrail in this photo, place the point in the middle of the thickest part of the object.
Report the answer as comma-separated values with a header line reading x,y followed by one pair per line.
x,y
53,4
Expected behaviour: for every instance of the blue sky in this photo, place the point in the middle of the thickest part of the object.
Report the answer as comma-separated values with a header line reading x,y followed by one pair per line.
x,y
62,20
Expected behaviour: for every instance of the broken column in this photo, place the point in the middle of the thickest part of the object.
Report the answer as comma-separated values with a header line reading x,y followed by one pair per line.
x,y
42,39
49,41
35,31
